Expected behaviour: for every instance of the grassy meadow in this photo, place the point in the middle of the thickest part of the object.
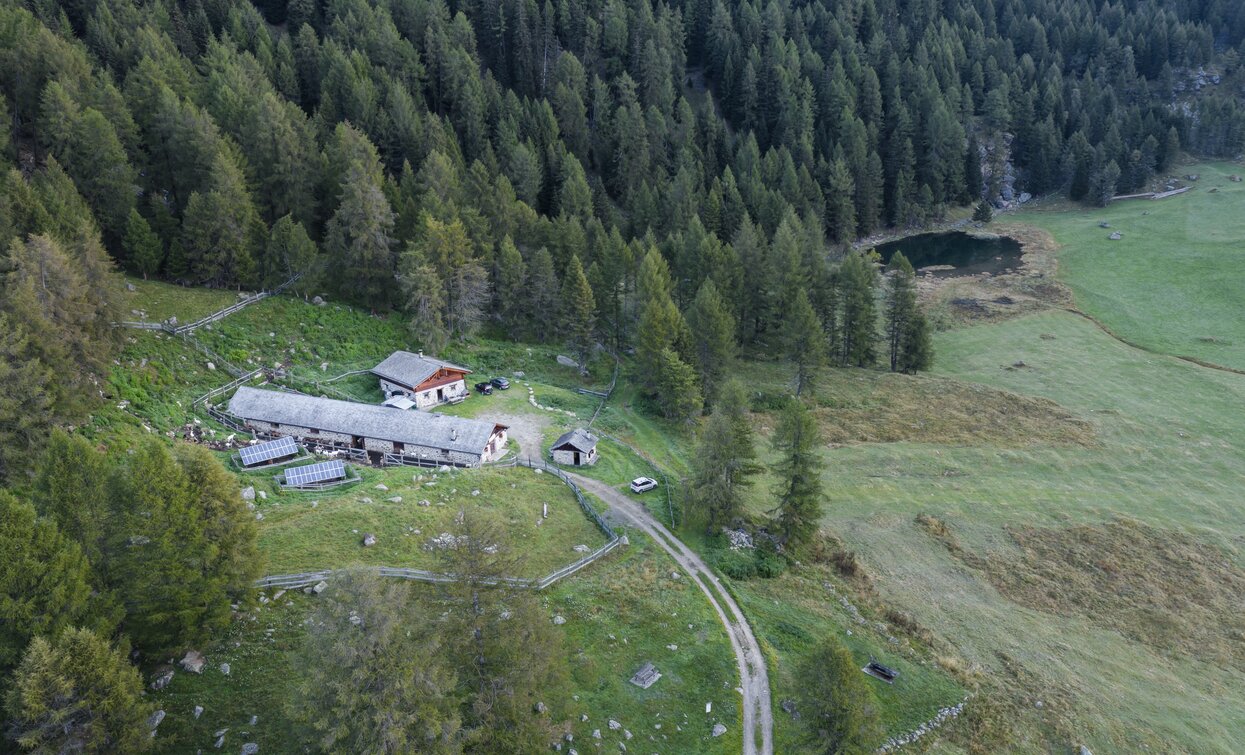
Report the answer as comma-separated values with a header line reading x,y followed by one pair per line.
x,y
1173,283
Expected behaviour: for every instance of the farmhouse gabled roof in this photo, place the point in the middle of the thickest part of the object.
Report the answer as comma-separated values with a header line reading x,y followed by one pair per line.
x,y
579,439
363,420
411,369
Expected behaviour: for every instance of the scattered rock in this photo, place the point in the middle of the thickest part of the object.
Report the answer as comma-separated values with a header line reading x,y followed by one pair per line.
x,y
248,493
425,502
162,677
250,748
320,587
718,730
130,287
193,662
369,540
220,741
672,647
559,620
382,487
581,549
1116,236
1236,180
626,734
614,725
318,301
225,669
211,367
254,720
198,711
263,496
1104,224
154,720
365,499
1084,749
566,361
596,733
395,499
542,708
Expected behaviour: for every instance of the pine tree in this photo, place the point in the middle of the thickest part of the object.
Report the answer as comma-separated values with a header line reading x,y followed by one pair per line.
x,y
578,312
44,579
75,693
142,246
857,326
836,703
713,337
797,441
806,342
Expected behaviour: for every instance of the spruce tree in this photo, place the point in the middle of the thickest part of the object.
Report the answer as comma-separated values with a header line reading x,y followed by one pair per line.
x,y
543,291
290,251
797,442
678,395
510,287
26,401
423,299
74,692
578,312
358,239
983,213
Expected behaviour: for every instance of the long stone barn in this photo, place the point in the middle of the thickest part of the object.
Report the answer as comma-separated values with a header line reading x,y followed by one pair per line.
x,y
415,436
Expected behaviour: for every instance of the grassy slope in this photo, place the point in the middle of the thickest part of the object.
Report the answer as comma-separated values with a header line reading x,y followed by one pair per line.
x,y
1173,284
629,596
295,536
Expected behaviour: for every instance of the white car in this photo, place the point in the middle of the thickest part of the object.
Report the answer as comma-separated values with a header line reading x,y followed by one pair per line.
x,y
642,484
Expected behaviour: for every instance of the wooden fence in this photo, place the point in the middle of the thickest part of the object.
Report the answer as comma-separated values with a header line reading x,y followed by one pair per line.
x,y
220,314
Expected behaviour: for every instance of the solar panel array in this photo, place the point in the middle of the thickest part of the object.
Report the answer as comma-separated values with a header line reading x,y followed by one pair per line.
x,y
314,473
267,451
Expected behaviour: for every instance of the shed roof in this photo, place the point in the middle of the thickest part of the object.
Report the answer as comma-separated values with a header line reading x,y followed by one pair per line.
x,y
364,420
411,369
579,439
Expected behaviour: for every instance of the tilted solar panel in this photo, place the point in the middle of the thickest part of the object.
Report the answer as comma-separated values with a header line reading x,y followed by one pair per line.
x,y
314,473
267,451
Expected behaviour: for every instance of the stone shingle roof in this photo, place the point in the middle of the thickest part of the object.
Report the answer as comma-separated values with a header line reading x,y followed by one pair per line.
x,y
364,420
579,439
411,369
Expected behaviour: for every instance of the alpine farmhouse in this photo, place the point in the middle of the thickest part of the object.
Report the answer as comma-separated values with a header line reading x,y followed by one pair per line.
x,y
426,381
387,435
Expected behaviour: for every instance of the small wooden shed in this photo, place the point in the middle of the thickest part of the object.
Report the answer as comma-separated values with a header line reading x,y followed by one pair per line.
x,y
577,448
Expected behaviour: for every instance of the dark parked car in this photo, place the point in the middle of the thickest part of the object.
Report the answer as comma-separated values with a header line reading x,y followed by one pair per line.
x,y
501,383
485,388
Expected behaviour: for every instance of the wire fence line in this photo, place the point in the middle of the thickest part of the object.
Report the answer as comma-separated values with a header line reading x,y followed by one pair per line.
x,y
220,314
312,578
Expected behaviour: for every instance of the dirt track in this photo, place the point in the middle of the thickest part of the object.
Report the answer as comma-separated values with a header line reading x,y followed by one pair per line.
x,y
753,676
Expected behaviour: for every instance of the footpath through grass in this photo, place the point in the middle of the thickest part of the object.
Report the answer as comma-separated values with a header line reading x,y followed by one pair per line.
x,y
1174,282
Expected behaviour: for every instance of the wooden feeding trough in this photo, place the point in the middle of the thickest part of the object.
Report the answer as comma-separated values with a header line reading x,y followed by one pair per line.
x,y
878,671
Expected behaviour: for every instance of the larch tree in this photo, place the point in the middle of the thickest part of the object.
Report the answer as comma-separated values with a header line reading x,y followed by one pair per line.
x,y
543,291
797,441
839,709
142,246
358,240
805,342
423,299
289,252
678,393
369,679
725,459
712,328
510,287
858,322
26,400
74,692
578,312
44,579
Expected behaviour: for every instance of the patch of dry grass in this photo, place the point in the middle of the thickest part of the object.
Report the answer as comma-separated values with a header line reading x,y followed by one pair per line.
x,y
860,406
1162,588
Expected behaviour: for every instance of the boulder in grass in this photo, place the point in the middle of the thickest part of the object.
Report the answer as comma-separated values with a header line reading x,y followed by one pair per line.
x,y
154,720
193,662
162,677
718,730
369,540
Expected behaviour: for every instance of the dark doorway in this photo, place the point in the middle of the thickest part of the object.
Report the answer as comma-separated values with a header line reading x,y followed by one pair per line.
x,y
576,457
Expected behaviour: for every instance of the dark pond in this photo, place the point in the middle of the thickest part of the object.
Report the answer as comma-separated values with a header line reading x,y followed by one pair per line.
x,y
966,253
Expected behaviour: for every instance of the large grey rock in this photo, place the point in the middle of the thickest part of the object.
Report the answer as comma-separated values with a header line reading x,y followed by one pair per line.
x,y
154,720
369,540
718,730
566,361
320,587
162,677
319,302
248,493
542,708
193,662
614,725
559,620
